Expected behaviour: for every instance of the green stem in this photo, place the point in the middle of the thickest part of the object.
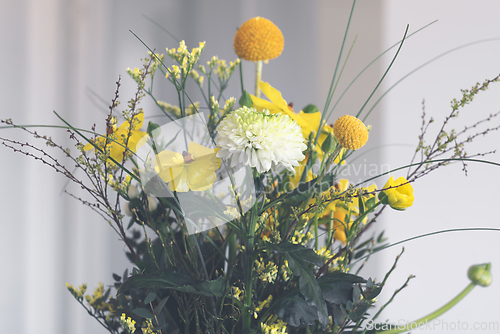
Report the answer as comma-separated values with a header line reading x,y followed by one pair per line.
x,y
258,74
232,248
249,248
433,315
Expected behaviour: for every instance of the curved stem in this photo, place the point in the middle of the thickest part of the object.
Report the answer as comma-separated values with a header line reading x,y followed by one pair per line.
x,y
433,315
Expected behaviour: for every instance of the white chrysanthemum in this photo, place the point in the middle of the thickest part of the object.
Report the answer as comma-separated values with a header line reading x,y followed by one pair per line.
x,y
260,139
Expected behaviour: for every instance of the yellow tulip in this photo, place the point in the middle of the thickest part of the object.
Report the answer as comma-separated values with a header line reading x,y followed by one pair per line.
x,y
400,194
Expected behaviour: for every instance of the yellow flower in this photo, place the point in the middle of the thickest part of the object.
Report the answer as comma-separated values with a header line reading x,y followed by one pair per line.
x,y
192,170
350,132
116,138
340,209
294,179
258,39
399,196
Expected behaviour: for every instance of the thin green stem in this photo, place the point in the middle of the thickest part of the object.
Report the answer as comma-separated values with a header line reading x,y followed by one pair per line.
x,y
412,325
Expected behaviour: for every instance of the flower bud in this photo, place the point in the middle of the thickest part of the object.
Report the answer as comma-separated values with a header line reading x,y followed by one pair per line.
x,y
480,274
328,145
152,204
398,194
132,192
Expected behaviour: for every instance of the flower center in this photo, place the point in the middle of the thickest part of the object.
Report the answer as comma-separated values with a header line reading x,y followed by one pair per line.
x,y
188,157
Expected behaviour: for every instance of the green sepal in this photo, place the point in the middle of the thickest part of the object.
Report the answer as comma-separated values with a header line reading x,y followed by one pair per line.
x,y
245,100
310,109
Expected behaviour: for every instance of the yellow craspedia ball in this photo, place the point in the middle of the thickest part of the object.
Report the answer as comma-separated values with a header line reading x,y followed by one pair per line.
x,y
258,39
350,132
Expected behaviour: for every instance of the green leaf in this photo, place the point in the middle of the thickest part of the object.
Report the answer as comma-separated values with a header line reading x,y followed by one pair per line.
x,y
359,311
298,252
310,109
374,293
142,312
294,310
338,276
245,100
152,127
151,296
176,280
361,205
339,314
161,304
337,292
308,286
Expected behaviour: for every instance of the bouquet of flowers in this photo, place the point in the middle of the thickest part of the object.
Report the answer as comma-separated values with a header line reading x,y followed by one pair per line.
x,y
233,211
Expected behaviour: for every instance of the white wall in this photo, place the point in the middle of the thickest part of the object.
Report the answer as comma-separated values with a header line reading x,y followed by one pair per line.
x,y
446,198
52,52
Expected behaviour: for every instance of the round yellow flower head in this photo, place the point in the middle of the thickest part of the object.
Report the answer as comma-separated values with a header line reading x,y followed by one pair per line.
x,y
350,132
258,39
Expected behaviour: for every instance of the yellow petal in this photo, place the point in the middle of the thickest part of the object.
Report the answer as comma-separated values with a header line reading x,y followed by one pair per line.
x,y
180,183
274,96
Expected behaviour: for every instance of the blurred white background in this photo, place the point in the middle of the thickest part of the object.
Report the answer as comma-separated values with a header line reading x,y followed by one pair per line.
x,y
55,53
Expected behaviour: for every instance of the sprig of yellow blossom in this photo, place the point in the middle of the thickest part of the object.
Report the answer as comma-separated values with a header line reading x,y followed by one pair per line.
x,y
185,59
128,323
278,327
262,305
148,328
191,110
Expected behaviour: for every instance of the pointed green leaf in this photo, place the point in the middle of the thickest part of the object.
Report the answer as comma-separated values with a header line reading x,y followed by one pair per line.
x,y
294,310
151,296
309,287
142,312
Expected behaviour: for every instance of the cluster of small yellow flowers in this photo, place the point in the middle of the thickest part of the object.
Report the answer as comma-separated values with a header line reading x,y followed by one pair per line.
x,y
263,304
128,323
286,271
191,110
148,328
112,182
266,273
157,61
135,74
78,294
301,238
238,293
324,253
185,59
197,77
174,72
232,213
97,301
279,327
227,108
223,71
